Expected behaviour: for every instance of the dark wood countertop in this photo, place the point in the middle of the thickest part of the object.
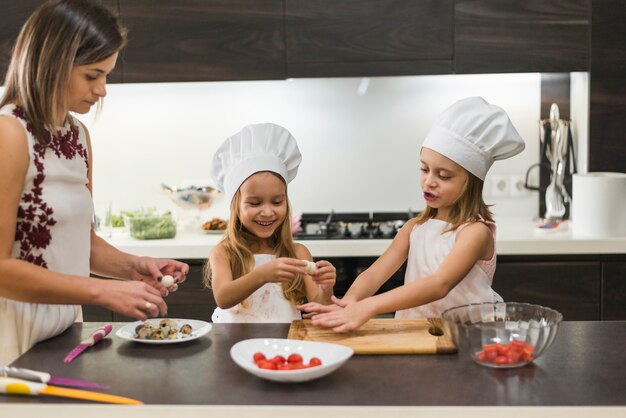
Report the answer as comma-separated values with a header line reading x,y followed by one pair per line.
x,y
585,366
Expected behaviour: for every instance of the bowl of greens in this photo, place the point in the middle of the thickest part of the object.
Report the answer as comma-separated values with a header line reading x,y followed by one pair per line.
x,y
150,224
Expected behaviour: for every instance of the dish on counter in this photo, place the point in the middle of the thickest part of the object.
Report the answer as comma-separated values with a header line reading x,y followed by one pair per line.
x,y
199,329
332,357
215,226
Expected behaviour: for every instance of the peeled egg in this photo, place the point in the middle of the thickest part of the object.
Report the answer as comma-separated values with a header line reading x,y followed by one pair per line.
x,y
310,266
167,281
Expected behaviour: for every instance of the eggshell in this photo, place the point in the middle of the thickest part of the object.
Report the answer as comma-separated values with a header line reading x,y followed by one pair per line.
x,y
167,281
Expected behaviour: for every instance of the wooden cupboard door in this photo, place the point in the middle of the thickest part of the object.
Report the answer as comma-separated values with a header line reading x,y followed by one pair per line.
x,y
493,36
607,124
201,40
614,291
569,286
327,38
14,15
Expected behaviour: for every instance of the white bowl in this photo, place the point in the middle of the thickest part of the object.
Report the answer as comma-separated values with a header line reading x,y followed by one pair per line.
x,y
331,355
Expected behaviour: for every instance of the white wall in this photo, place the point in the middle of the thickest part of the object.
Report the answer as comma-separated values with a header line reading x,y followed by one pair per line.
x,y
360,153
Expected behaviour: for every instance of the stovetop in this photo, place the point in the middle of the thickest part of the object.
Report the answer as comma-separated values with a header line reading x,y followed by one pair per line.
x,y
351,225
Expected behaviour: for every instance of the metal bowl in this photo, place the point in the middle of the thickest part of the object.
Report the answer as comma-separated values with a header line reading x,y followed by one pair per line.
x,y
193,197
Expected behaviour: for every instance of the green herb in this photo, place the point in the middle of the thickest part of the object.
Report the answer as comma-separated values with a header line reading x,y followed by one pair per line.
x,y
147,224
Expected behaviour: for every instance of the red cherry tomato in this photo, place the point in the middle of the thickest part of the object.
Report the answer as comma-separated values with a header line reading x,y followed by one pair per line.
x,y
258,356
315,362
278,360
294,359
268,365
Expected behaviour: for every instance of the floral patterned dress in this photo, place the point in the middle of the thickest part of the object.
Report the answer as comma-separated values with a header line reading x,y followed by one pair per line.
x,y
52,231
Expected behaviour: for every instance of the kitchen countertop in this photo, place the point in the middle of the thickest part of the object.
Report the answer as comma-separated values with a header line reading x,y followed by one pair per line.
x,y
582,369
515,236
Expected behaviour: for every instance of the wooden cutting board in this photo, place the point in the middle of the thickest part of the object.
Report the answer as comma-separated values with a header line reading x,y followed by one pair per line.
x,y
383,336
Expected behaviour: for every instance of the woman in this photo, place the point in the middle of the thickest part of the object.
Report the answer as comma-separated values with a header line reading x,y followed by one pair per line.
x,y
48,246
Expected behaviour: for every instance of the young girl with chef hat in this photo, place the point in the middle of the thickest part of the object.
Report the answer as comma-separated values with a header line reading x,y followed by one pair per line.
x,y
450,248
257,272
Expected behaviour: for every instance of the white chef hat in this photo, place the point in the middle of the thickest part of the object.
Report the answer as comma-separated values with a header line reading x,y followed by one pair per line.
x,y
258,147
474,134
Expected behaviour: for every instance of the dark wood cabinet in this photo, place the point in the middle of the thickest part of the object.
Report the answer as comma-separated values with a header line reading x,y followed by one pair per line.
x,y
327,38
569,284
521,36
199,40
15,14
607,84
614,288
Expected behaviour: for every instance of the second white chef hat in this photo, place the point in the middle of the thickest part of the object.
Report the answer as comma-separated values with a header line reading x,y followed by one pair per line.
x,y
258,147
474,134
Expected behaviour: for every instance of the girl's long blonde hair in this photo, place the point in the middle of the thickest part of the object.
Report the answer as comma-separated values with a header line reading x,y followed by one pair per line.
x,y
58,35
468,208
238,240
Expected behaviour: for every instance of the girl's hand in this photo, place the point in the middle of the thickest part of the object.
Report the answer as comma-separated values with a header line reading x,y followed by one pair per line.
x,y
325,275
151,270
136,299
313,308
281,270
346,319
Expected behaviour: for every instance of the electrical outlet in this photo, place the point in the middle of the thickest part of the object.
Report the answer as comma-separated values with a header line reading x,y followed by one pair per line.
x,y
500,186
517,186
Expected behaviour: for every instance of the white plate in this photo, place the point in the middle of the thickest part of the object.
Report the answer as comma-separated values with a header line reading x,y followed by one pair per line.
x,y
200,328
331,355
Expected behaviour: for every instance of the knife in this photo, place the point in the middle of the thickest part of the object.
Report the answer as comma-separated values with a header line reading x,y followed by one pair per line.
x,y
43,377
95,336
24,387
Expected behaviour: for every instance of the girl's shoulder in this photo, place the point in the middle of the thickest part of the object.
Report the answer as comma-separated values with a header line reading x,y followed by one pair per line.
x,y
301,250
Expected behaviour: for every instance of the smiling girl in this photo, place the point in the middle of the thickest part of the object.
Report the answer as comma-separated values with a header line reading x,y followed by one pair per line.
x,y
257,272
449,249
48,246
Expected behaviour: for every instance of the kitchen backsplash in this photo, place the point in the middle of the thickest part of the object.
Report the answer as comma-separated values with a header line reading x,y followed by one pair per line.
x,y
359,138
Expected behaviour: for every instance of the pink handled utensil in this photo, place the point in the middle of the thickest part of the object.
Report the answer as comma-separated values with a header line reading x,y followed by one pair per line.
x,y
95,336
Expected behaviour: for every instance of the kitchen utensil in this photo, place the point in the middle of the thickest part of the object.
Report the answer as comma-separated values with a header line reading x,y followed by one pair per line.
x,y
24,387
332,356
95,336
43,377
383,336
502,334
200,329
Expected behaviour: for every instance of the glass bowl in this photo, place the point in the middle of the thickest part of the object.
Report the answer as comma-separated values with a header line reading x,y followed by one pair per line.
x,y
502,334
150,225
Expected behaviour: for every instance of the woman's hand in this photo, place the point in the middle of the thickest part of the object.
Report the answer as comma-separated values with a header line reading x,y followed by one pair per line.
x,y
151,271
136,299
348,318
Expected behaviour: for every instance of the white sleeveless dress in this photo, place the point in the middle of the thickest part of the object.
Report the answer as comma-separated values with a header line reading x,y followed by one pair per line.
x,y
266,304
53,232
428,248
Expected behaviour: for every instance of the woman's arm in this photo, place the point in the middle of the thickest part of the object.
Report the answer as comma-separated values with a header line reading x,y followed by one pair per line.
x,y
473,243
26,282
107,261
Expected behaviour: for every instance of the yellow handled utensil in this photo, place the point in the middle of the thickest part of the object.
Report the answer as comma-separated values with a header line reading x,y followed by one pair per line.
x,y
24,387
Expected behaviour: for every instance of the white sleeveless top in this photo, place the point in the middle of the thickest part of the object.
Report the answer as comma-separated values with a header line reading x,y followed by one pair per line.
x,y
53,232
427,249
266,304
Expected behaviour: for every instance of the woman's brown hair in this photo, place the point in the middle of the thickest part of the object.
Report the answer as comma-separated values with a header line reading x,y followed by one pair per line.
x,y
238,240
469,207
57,36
